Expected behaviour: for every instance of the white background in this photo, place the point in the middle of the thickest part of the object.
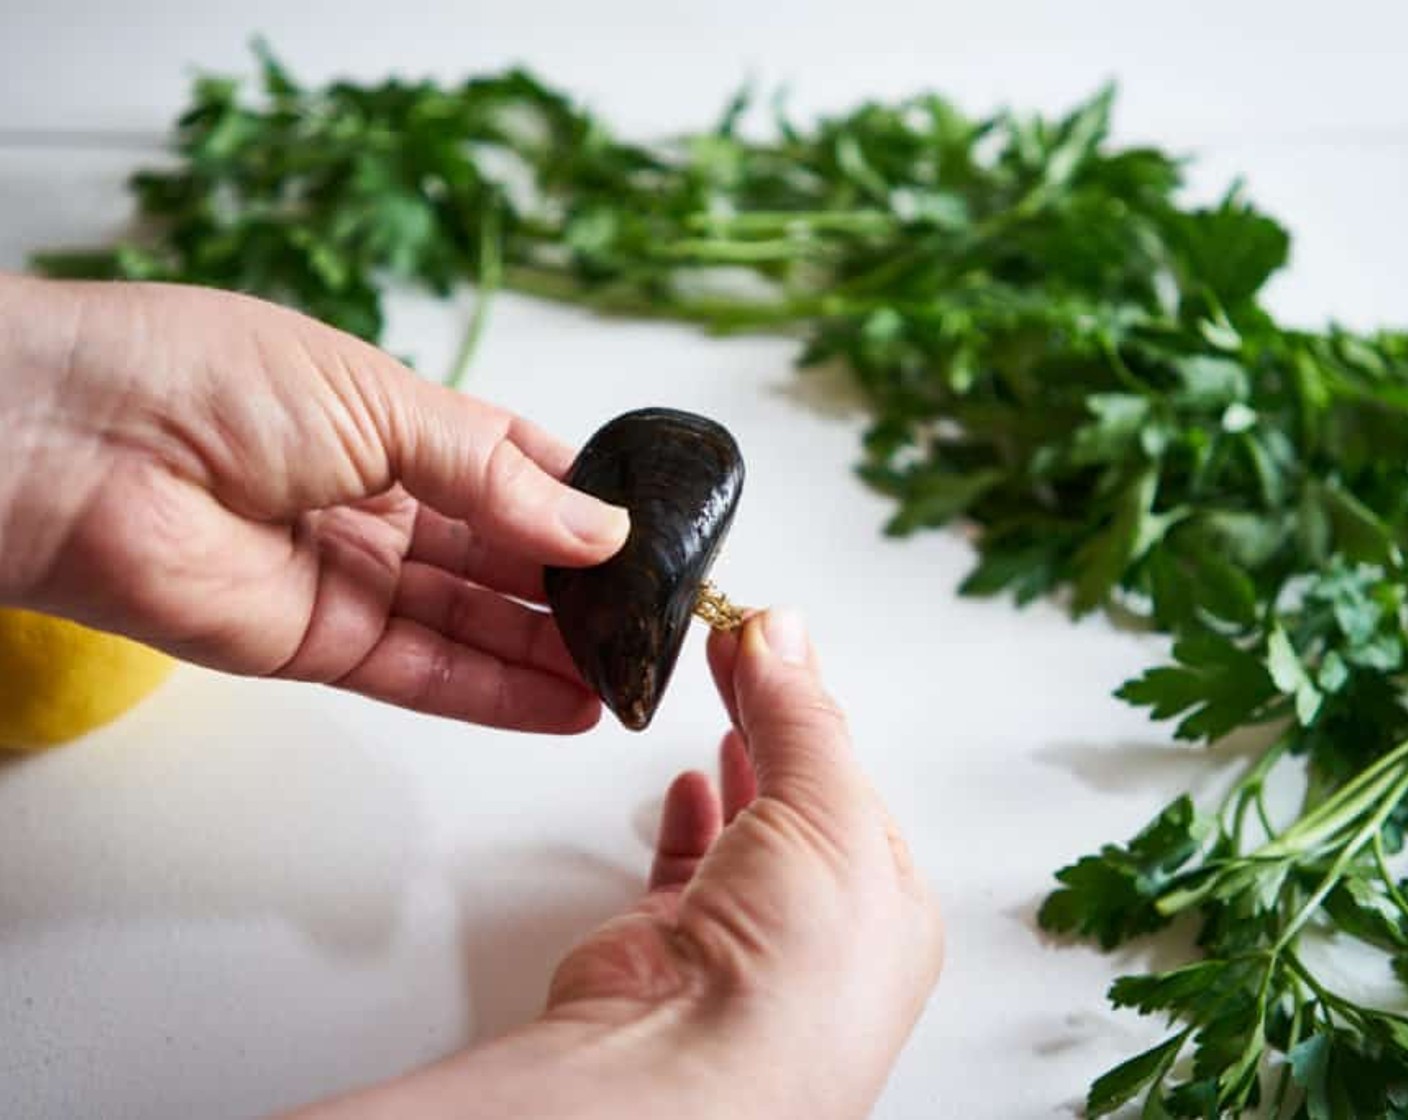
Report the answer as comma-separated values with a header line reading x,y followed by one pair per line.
x,y
245,895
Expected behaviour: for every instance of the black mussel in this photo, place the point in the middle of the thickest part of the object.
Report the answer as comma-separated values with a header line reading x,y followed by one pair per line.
x,y
624,621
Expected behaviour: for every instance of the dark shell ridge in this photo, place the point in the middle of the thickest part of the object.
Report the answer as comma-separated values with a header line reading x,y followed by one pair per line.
x,y
680,476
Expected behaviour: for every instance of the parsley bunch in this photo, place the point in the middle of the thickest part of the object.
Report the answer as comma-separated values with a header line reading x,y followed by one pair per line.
x,y
1055,349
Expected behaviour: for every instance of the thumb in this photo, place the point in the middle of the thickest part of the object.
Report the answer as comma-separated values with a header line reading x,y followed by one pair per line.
x,y
798,737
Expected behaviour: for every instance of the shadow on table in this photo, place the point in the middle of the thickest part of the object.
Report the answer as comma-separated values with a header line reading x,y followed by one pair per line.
x,y
522,918
1128,767
1172,766
215,799
828,390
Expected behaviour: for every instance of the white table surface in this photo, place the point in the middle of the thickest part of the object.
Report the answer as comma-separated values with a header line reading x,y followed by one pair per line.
x,y
245,894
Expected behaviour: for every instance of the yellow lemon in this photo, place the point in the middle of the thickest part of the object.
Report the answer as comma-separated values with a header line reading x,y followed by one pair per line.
x,y
59,680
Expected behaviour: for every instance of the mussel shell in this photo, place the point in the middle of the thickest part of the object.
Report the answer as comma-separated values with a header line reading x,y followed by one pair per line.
x,y
680,476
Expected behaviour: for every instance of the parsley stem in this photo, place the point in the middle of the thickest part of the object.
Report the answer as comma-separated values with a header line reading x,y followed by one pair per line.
x,y
715,314
1341,808
1390,885
490,279
1264,764
785,221
1239,815
1283,1083
1121,368
1329,1000
1365,833
1238,1075
720,251
1262,815
1248,793
1385,788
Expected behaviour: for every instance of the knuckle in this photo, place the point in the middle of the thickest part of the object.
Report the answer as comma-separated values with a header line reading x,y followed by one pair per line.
x,y
725,940
506,474
667,870
460,612
799,827
433,679
473,551
500,704
826,712
541,637
358,412
813,718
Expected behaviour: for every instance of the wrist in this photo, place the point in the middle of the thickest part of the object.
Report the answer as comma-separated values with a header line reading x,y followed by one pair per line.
x,y
53,463
557,1069
661,1061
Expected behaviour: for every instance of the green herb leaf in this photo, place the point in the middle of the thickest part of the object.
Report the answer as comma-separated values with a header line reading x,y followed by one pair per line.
x,y
1111,896
1123,1083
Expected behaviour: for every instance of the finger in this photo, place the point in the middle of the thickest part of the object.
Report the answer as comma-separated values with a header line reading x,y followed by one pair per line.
x,y
552,454
484,619
474,462
796,734
415,667
722,651
458,549
690,823
736,777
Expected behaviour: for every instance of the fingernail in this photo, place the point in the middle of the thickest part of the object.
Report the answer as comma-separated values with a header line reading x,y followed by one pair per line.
x,y
591,520
786,635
